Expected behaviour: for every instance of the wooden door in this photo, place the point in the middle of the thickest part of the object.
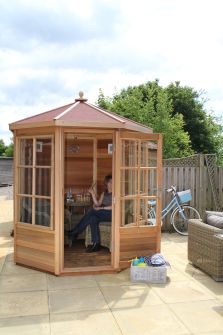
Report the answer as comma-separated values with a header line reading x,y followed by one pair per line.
x,y
140,182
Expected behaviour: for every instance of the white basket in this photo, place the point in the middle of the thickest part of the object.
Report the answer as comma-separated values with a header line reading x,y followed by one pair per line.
x,y
148,274
184,196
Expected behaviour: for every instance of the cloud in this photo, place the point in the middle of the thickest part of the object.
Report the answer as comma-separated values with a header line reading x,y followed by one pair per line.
x,y
27,25
49,50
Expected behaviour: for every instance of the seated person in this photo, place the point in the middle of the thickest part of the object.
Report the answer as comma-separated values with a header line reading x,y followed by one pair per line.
x,y
101,212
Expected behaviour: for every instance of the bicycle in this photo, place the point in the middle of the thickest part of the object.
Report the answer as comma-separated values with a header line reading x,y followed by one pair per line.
x,y
181,212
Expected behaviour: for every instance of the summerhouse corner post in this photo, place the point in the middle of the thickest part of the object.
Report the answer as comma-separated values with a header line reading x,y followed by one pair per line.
x,y
117,204
15,188
58,201
159,182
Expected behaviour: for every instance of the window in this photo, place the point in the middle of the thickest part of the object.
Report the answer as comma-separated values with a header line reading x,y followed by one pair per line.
x,y
35,180
138,180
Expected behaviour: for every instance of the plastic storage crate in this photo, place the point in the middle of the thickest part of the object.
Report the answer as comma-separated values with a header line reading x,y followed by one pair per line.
x,y
148,274
184,196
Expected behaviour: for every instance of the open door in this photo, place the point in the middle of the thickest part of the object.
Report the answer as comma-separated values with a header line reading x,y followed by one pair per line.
x,y
140,182
87,160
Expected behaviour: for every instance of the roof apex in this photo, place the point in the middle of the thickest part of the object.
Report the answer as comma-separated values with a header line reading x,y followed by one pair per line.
x,y
81,97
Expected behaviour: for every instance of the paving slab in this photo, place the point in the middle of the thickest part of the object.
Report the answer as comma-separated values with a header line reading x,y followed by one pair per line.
x,y
150,320
26,325
23,304
24,282
200,316
84,323
10,268
181,291
60,283
132,296
73,300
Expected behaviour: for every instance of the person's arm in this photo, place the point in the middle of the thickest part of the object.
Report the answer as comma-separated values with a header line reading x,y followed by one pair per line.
x,y
96,202
100,204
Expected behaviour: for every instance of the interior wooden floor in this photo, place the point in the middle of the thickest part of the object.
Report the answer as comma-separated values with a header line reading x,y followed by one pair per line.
x,y
76,256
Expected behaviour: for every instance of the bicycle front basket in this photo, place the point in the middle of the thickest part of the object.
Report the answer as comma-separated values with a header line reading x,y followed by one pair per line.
x,y
184,196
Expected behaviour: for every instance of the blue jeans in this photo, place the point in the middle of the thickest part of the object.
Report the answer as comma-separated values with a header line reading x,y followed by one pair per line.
x,y
93,218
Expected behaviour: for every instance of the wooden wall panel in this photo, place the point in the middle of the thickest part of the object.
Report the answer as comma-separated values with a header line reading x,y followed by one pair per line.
x,y
136,242
35,248
104,168
78,173
78,168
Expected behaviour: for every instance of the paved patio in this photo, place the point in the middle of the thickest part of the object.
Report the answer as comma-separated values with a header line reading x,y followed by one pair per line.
x,y
32,302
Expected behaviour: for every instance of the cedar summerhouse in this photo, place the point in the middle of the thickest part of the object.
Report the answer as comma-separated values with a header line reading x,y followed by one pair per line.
x,y
58,155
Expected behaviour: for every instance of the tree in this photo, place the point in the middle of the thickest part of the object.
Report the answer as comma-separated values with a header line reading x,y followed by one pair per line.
x,y
177,112
2,147
205,133
9,150
149,105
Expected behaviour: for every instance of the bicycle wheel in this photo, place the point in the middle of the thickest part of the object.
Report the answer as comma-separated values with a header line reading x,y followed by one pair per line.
x,y
180,224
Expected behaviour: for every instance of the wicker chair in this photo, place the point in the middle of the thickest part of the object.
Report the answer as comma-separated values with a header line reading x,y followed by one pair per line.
x,y
205,248
105,235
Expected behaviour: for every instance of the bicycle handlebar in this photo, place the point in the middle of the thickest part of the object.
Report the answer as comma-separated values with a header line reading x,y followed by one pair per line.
x,y
172,189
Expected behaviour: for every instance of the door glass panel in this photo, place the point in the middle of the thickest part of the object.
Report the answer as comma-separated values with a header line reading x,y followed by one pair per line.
x,y
42,212
147,212
148,183
151,211
129,182
43,181
129,153
128,212
43,151
25,210
143,212
25,180
26,151
148,154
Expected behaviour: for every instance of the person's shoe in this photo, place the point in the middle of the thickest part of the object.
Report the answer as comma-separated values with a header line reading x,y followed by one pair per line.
x,y
94,247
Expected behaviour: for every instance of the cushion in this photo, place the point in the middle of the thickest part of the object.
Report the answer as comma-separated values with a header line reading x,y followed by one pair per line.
x,y
214,213
215,220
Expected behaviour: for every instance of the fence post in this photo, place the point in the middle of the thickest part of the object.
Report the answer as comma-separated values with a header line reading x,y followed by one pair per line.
x,y
202,188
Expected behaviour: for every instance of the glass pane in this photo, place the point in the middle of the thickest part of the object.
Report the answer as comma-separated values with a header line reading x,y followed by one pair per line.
x,y
148,182
25,180
147,212
150,207
129,182
26,151
43,181
128,212
129,153
148,153
25,210
42,212
43,151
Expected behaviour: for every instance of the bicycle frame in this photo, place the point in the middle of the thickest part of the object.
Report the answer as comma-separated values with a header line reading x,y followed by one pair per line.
x,y
173,205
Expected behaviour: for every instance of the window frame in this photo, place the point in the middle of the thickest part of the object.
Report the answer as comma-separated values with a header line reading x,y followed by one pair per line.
x,y
136,167
34,167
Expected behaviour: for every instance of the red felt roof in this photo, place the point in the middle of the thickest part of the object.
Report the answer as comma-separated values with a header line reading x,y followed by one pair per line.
x,y
82,113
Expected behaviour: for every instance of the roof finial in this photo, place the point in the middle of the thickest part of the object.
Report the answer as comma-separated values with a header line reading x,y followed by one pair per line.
x,y
81,97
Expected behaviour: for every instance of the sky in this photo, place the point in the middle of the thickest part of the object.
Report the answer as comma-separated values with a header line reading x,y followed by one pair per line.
x,y
52,49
